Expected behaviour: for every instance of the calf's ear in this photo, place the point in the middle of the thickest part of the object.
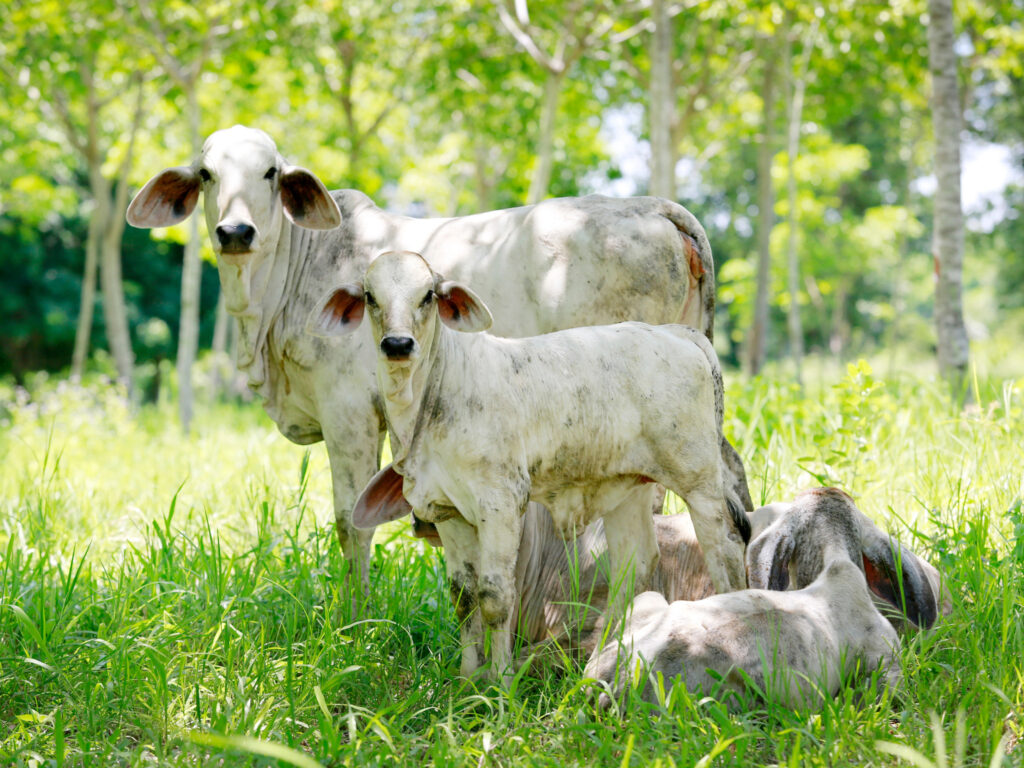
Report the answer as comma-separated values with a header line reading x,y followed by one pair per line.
x,y
166,199
339,313
899,577
768,558
381,500
306,201
460,308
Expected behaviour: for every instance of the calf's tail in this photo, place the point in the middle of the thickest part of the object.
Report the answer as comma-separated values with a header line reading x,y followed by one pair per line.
x,y
734,477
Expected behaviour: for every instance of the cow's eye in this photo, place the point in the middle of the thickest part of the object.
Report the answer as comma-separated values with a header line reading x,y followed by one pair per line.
x,y
427,298
270,174
204,174
370,301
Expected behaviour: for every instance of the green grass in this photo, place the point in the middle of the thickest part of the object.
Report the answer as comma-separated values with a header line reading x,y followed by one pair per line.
x,y
170,600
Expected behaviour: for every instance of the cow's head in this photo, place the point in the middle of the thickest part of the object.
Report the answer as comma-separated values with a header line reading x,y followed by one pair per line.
x,y
405,299
247,186
790,551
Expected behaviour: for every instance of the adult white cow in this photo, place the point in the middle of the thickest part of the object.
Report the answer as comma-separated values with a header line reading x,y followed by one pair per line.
x,y
558,264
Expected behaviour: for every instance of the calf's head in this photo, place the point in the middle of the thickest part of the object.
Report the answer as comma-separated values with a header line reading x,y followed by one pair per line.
x,y
247,187
405,299
792,540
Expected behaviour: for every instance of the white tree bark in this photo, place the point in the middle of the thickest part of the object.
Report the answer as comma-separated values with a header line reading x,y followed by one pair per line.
x,y
83,331
191,272
661,110
541,180
948,234
794,115
220,371
765,214
580,31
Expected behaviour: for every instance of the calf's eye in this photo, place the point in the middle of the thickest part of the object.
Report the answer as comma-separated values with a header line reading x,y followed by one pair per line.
x,y
370,301
270,174
427,298
204,174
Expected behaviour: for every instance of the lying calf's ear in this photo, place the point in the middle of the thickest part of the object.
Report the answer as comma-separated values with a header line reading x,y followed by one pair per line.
x,y
460,308
338,313
898,576
768,558
381,500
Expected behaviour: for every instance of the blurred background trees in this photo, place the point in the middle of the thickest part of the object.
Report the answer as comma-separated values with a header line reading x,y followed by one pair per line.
x,y
800,134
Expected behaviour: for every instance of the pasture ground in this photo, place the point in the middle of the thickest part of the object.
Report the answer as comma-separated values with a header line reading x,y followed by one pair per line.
x,y
170,600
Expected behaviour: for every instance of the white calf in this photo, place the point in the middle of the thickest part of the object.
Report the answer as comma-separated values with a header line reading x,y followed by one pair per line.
x,y
792,648
582,421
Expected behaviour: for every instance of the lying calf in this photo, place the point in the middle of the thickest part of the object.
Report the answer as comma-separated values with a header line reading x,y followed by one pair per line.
x,y
792,647
583,421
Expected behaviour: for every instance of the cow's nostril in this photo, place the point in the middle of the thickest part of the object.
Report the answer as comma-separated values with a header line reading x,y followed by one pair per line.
x,y
397,347
235,237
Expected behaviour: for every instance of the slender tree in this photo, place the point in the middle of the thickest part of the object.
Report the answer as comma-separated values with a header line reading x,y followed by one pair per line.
x,y
797,85
182,40
574,28
90,92
948,233
765,209
661,109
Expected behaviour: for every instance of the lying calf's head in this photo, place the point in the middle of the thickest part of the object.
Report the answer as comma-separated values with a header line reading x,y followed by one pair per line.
x,y
791,647
405,299
788,553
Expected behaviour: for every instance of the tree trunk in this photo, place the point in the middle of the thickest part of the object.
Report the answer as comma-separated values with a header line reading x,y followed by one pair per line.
x,y
83,332
221,368
794,116
948,234
188,327
660,111
765,215
115,314
541,180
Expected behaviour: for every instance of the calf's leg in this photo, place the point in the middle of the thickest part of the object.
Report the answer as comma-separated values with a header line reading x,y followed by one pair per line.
x,y
460,543
632,547
499,535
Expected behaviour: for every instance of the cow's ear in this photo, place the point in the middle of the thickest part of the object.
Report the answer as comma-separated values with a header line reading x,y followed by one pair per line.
x,y
306,200
339,313
381,500
768,558
899,577
460,308
168,198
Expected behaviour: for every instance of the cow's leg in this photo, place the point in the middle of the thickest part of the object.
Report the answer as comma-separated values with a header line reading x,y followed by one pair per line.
x,y
353,451
632,547
499,549
721,542
461,563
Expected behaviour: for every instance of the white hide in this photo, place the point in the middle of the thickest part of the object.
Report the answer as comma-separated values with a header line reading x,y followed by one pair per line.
x,y
558,264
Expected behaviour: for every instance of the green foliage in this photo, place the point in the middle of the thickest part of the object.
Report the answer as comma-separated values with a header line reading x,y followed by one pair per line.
x,y
180,599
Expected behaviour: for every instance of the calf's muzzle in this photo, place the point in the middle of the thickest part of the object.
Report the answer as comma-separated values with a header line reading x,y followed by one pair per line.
x,y
397,347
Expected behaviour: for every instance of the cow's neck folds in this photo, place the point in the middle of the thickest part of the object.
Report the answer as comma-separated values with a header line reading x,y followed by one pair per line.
x,y
409,394
253,292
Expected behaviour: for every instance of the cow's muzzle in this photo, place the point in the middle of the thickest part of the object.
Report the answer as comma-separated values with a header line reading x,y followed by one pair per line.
x,y
235,238
398,348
